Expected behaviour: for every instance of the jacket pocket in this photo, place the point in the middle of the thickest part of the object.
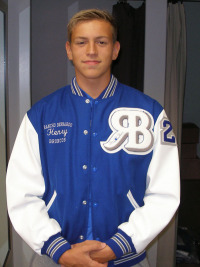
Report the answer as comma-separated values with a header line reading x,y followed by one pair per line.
x,y
52,200
132,200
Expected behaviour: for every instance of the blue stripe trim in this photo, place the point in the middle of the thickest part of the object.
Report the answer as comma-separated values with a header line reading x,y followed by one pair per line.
x,y
111,88
55,247
75,88
72,87
130,260
120,236
121,244
52,244
109,91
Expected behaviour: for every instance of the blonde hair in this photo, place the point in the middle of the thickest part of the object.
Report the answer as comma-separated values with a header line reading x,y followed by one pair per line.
x,y
91,14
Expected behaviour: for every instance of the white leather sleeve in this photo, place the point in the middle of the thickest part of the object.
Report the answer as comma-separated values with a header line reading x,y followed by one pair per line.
x,y
162,194
25,188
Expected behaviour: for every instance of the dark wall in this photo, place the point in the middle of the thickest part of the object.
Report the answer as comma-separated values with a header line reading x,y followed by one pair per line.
x,y
48,37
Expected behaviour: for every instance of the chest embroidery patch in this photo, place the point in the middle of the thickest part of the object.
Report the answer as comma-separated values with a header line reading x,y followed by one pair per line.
x,y
132,131
57,132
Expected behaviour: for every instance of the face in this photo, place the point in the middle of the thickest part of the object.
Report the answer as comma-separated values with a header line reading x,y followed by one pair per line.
x,y
92,49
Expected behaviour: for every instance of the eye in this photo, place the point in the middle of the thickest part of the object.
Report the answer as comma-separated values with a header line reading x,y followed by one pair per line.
x,y
102,43
80,43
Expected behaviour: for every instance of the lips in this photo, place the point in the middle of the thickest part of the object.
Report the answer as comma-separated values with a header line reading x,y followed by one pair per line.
x,y
91,62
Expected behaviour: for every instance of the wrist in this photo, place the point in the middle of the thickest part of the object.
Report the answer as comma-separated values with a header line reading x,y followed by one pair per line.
x,y
104,255
110,255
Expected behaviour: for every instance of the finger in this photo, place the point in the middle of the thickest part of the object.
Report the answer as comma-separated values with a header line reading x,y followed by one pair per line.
x,y
79,244
97,264
104,264
91,246
87,242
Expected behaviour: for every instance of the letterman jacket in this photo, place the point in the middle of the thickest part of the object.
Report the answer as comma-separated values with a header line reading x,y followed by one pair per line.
x,y
115,156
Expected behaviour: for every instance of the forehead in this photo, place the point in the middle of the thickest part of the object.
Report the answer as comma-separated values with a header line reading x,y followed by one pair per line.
x,y
92,27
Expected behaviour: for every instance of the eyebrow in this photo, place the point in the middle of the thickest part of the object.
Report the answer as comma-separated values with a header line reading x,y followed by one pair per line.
x,y
85,38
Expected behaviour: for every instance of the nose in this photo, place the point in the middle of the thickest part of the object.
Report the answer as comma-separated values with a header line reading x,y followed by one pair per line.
x,y
91,48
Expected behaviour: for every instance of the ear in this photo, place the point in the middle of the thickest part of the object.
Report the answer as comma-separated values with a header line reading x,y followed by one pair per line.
x,y
116,49
68,50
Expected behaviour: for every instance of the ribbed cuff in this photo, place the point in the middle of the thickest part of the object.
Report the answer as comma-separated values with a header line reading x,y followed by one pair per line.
x,y
55,246
121,244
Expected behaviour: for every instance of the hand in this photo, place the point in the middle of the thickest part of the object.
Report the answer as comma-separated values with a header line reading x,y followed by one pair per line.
x,y
79,255
103,255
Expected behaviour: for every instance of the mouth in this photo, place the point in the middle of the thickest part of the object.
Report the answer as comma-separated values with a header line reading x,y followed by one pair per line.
x,y
91,62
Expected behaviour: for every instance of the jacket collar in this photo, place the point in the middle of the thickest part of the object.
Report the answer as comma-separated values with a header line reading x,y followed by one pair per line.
x,y
108,92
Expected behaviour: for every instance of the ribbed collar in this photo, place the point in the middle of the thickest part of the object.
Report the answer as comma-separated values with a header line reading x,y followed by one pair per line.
x,y
108,92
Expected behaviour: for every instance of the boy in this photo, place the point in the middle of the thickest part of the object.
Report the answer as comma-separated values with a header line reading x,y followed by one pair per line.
x,y
93,177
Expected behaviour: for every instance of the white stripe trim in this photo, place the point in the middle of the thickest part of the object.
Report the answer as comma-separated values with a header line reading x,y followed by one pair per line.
x,y
108,93
109,87
72,88
53,243
52,200
114,88
119,244
125,241
78,90
132,200
131,257
57,247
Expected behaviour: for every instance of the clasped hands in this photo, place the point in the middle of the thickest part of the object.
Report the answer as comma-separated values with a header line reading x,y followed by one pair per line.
x,y
89,253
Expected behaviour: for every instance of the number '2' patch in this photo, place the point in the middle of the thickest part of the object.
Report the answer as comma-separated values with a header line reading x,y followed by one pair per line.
x,y
167,134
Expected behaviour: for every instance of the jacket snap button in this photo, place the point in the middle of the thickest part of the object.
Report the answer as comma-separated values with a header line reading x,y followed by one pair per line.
x,y
85,167
81,237
95,204
94,169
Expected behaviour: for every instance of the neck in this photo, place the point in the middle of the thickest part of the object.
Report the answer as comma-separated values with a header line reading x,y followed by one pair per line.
x,y
93,87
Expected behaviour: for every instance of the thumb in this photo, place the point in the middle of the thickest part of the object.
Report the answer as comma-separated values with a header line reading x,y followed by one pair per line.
x,y
95,246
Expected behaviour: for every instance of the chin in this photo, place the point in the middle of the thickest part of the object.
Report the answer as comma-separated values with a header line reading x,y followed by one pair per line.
x,y
93,75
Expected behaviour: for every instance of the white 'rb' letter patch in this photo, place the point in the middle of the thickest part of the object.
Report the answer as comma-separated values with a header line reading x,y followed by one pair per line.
x,y
132,131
